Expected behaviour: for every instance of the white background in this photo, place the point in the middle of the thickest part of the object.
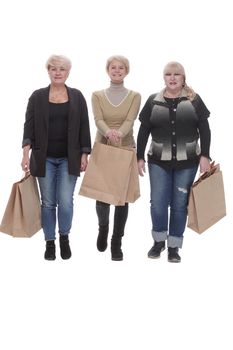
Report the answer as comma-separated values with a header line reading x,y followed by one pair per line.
x,y
90,302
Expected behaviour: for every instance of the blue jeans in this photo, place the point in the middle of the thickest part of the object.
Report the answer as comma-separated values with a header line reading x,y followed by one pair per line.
x,y
57,189
169,189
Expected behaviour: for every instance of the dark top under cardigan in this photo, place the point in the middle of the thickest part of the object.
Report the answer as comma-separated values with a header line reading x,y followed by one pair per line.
x,y
175,126
58,130
36,130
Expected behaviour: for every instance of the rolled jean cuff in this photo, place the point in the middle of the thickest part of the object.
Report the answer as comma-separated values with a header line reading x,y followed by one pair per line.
x,y
46,238
159,236
174,242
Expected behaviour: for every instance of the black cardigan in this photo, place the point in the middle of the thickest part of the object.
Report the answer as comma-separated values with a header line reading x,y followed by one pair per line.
x,y
175,130
36,130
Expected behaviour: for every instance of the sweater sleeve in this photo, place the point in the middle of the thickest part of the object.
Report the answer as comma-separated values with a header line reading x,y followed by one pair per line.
x,y
203,125
143,135
28,134
145,128
205,137
98,115
85,136
127,125
145,113
201,109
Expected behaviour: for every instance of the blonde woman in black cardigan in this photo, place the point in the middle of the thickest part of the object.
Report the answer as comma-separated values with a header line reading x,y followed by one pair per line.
x,y
56,143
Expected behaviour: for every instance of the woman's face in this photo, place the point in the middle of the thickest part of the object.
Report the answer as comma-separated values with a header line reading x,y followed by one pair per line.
x,y
117,71
58,74
174,81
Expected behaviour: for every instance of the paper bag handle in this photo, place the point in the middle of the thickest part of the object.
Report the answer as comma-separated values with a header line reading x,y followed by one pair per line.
x,y
213,169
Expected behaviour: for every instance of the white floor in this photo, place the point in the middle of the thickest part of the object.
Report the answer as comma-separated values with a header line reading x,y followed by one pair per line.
x,y
93,302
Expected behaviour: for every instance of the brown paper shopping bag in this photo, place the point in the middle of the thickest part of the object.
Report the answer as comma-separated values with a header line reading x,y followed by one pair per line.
x,y
109,172
133,192
22,213
207,200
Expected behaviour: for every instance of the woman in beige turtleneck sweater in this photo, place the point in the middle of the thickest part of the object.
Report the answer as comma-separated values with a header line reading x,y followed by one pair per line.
x,y
115,110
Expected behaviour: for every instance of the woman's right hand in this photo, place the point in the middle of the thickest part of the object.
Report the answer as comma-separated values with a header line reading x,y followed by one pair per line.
x,y
141,167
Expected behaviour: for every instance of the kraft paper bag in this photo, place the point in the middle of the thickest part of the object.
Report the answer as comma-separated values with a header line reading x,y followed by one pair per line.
x,y
111,175
207,200
22,217
133,192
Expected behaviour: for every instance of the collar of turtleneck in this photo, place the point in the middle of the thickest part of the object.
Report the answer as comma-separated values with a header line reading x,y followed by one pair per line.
x,y
116,93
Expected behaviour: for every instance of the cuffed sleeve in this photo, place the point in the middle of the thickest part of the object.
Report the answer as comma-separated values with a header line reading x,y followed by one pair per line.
x,y
26,142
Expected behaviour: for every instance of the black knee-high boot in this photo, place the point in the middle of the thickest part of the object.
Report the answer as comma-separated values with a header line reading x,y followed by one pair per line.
x,y
120,217
102,210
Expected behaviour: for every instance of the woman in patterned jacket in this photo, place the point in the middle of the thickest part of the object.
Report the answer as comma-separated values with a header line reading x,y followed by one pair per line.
x,y
176,118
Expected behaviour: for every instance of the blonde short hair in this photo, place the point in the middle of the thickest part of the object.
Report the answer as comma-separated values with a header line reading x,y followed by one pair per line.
x,y
176,67
119,58
58,61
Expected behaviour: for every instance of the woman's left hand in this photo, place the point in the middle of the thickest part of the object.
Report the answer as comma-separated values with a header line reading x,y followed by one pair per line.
x,y
141,167
114,135
84,162
204,164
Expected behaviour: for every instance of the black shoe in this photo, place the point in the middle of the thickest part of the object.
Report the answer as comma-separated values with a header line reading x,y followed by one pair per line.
x,y
50,252
116,252
64,247
102,239
173,255
156,250
117,255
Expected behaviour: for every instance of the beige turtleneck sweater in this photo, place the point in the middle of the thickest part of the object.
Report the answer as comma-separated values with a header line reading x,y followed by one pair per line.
x,y
116,108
